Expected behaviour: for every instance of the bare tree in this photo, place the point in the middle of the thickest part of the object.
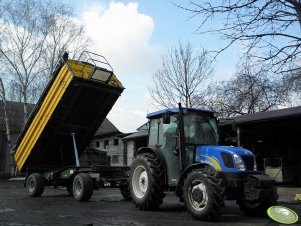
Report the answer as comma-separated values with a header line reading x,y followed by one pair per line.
x,y
23,33
65,34
293,81
3,98
6,120
251,90
269,29
181,78
33,35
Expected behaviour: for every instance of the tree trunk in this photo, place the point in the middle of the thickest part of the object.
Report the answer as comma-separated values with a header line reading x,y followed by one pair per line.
x,y
7,127
297,7
25,109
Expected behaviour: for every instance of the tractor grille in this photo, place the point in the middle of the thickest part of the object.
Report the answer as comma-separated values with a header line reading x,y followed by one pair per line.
x,y
249,162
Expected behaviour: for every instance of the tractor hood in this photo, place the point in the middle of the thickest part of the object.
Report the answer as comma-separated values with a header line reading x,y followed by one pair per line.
x,y
222,157
213,150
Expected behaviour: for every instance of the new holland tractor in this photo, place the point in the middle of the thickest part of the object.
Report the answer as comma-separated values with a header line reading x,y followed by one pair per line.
x,y
183,156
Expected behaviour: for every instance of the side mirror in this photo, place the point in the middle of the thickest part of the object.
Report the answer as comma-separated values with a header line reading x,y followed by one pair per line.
x,y
166,118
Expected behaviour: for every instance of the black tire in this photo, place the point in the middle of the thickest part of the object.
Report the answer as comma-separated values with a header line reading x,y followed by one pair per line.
x,y
258,207
203,194
82,187
35,184
125,191
146,182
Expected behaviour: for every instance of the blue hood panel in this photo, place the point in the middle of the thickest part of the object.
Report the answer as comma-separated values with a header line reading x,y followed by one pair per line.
x,y
212,155
208,150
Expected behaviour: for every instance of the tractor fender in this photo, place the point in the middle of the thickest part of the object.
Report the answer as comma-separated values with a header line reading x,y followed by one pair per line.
x,y
158,154
187,170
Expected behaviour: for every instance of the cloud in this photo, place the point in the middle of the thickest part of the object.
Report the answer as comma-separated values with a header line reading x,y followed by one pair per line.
x,y
122,34
127,119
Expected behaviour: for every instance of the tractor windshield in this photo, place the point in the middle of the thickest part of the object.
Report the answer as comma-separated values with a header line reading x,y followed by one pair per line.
x,y
200,129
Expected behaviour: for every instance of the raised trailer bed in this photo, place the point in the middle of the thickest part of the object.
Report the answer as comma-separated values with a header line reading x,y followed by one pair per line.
x,y
70,110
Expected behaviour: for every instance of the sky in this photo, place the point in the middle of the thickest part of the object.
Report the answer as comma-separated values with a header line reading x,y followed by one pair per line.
x,y
133,36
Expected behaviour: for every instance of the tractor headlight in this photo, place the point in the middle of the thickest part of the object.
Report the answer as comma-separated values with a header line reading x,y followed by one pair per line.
x,y
239,164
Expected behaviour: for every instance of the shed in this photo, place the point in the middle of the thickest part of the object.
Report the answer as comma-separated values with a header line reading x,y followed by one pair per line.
x,y
133,142
109,139
274,138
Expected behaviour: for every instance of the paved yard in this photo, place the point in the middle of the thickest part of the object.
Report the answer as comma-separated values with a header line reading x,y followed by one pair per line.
x,y
107,207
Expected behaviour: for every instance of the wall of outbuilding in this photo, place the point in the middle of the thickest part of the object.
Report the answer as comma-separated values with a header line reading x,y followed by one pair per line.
x,y
115,151
276,144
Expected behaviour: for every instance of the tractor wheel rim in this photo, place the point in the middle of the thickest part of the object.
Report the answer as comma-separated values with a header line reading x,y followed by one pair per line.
x,y
198,205
140,182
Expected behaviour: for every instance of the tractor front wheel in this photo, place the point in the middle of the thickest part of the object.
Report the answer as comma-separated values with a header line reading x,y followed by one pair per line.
x,y
203,194
258,207
146,182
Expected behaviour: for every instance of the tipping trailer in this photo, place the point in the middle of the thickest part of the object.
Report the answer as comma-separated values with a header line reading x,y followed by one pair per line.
x,y
67,115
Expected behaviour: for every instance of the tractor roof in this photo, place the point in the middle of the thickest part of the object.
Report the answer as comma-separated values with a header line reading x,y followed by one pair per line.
x,y
175,110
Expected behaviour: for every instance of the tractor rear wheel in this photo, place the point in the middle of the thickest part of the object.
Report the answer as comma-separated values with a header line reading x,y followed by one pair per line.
x,y
146,182
82,187
203,194
35,184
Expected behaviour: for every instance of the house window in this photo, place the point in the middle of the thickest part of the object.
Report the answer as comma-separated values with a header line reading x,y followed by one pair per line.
x,y
105,144
97,144
115,159
116,142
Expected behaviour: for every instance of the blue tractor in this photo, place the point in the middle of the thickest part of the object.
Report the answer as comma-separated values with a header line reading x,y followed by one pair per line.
x,y
183,156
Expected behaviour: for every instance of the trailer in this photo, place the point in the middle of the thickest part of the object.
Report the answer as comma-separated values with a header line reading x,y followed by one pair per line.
x,y
70,110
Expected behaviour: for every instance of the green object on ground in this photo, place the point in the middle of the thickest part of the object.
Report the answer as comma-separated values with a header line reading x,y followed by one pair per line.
x,y
282,214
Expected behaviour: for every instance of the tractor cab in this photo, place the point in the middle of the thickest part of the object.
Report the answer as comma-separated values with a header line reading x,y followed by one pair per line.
x,y
165,133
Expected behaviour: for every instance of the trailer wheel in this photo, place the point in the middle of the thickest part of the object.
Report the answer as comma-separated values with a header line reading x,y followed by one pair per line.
x,y
146,182
35,184
203,194
258,207
82,187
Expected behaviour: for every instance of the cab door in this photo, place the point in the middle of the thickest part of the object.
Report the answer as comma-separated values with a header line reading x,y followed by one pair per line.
x,y
164,138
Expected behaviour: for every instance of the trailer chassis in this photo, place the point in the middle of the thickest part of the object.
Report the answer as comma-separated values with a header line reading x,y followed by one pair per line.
x,y
79,181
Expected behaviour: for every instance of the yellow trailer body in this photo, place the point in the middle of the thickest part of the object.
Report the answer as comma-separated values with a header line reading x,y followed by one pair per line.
x,y
76,100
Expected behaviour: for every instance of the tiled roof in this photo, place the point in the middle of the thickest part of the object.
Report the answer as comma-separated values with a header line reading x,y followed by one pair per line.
x,y
141,133
106,129
264,116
